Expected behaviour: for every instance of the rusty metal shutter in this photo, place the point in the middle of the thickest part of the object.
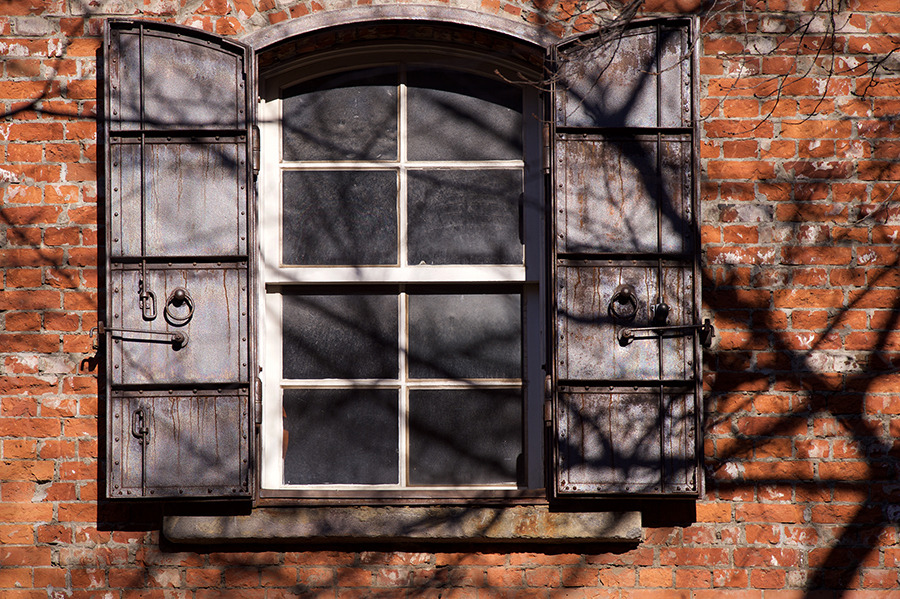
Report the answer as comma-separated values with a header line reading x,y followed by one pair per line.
x,y
178,326
626,300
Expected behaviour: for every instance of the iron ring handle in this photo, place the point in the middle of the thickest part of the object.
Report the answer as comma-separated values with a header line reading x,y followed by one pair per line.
x,y
623,304
176,298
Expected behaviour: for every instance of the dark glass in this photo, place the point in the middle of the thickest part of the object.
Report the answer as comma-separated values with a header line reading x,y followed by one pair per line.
x,y
339,217
461,116
348,116
464,217
464,436
340,336
465,336
341,436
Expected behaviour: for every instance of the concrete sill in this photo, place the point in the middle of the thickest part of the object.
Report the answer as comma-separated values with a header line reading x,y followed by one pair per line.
x,y
526,524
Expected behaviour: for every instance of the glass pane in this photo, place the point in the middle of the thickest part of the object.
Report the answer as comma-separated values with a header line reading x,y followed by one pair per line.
x,y
464,437
464,217
349,116
340,336
339,217
461,116
341,436
465,336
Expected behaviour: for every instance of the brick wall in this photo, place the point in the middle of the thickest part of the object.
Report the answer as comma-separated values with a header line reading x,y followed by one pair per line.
x,y
800,229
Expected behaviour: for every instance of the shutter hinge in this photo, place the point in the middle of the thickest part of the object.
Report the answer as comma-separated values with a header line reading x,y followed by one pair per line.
x,y
545,147
257,402
254,151
548,400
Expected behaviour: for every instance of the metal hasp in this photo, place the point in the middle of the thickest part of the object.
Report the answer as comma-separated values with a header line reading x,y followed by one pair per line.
x,y
705,332
626,416
179,311
178,340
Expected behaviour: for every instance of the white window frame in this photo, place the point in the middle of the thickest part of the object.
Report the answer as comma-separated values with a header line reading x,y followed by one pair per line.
x,y
528,278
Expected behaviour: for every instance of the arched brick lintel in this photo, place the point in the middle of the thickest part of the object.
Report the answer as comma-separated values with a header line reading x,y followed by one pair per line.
x,y
518,29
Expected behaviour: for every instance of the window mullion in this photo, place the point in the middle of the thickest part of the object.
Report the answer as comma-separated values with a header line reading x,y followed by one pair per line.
x,y
402,213
403,345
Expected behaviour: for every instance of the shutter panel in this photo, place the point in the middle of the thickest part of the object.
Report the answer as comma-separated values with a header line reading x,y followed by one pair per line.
x,y
626,295
180,312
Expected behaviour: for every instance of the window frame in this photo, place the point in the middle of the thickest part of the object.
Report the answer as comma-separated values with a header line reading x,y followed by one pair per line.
x,y
526,279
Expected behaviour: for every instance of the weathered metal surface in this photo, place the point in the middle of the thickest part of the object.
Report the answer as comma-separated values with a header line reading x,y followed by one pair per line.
x,y
190,443
624,260
194,198
187,83
179,295
589,346
621,84
620,194
468,524
618,440
215,350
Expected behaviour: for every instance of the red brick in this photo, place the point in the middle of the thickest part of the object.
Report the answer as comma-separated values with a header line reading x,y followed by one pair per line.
x,y
691,556
31,257
29,300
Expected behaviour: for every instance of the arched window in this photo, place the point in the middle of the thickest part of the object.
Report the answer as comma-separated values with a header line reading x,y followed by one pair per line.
x,y
402,205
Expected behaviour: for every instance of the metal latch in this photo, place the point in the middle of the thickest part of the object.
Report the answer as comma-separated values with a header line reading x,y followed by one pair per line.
x,y
141,432
705,331
146,297
178,340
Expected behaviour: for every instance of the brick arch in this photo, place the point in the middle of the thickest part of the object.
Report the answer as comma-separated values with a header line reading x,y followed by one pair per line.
x,y
515,28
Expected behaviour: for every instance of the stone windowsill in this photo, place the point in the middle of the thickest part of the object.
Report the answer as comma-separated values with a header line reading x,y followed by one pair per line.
x,y
529,524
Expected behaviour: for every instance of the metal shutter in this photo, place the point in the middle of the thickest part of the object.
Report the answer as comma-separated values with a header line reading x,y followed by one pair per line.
x,y
179,323
625,288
